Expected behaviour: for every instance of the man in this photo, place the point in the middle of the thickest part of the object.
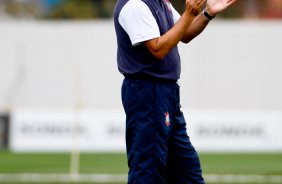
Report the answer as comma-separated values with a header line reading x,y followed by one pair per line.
x,y
158,148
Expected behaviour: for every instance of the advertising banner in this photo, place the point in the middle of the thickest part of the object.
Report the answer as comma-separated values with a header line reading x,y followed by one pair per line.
x,y
239,131
65,130
104,130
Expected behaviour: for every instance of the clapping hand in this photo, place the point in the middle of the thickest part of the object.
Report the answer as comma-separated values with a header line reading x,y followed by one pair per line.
x,y
194,7
216,6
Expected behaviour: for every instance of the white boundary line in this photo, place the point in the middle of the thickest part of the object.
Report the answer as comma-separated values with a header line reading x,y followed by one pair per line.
x,y
228,178
122,178
62,178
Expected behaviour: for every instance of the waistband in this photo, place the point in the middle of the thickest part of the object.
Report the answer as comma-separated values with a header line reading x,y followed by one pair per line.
x,y
149,78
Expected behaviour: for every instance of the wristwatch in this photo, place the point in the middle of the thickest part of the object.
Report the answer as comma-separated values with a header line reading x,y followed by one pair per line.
x,y
207,15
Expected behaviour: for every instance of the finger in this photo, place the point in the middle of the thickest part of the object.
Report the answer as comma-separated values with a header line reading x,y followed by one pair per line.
x,y
202,3
229,2
199,3
196,2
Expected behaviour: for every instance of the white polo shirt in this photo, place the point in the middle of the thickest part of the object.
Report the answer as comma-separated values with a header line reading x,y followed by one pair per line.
x,y
139,23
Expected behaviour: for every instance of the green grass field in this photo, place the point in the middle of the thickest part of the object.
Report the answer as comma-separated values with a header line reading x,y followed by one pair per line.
x,y
212,163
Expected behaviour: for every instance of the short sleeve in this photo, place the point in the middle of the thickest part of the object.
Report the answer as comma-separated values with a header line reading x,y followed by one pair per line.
x,y
138,21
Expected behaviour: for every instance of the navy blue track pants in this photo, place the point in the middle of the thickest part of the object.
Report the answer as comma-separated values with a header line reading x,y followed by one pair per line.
x,y
158,148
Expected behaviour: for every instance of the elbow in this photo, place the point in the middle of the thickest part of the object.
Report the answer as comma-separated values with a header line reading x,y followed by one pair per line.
x,y
158,55
185,40
159,52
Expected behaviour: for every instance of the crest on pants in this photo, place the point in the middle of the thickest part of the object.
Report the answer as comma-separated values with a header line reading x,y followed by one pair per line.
x,y
167,119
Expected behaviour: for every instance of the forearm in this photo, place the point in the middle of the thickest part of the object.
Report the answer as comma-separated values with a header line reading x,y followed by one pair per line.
x,y
196,27
213,7
161,46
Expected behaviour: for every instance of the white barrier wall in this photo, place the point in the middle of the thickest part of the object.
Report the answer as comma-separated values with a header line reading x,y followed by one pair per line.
x,y
233,65
45,64
231,68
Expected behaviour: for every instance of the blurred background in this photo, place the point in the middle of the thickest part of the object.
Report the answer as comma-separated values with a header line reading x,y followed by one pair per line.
x,y
61,118
98,9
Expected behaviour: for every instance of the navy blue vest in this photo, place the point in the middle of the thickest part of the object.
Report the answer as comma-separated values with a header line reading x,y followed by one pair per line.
x,y
137,60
